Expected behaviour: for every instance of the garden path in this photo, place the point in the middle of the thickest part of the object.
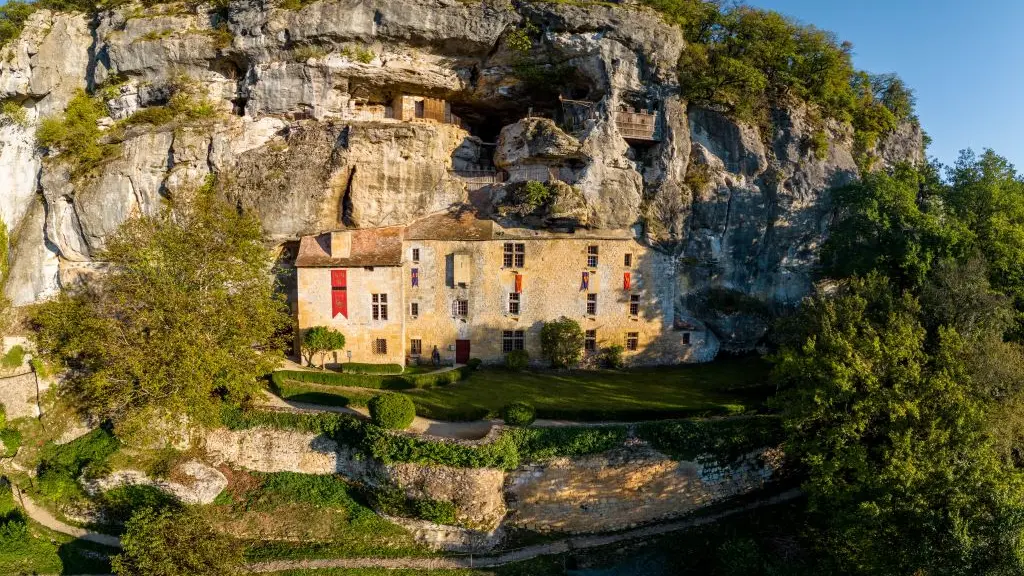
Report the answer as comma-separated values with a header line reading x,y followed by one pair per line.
x,y
43,516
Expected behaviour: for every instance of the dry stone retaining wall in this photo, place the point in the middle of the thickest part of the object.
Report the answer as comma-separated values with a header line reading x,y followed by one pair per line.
x,y
597,493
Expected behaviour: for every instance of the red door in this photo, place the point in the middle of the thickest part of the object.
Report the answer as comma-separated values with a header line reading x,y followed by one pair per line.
x,y
461,351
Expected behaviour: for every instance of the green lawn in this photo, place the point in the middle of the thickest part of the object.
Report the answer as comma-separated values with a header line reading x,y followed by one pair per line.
x,y
722,387
29,548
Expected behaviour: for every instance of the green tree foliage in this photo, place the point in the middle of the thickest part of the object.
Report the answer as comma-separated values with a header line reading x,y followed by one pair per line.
x,y
518,414
881,224
166,543
321,340
561,342
987,194
185,317
893,435
13,15
76,135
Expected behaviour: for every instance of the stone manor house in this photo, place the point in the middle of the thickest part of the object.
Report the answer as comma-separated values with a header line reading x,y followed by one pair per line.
x,y
475,289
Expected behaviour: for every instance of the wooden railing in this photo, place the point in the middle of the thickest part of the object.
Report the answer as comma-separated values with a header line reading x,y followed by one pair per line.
x,y
479,176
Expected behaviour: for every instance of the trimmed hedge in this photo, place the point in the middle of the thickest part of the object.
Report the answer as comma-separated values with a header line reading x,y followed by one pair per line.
x,y
721,440
517,360
518,414
638,415
394,411
372,381
362,368
724,441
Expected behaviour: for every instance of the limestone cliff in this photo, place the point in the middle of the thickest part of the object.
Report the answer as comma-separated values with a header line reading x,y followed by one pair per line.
x,y
304,138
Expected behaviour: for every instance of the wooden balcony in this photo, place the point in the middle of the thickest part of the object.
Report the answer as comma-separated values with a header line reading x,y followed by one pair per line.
x,y
640,126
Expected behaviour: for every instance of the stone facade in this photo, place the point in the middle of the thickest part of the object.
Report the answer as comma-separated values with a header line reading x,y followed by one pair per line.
x,y
472,288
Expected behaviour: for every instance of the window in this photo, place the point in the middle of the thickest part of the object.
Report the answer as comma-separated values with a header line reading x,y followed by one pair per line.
x,y
515,255
627,260
592,256
418,109
632,340
460,308
416,347
511,340
634,304
591,304
414,309
380,306
686,338
590,341
513,303
415,254
339,293
380,346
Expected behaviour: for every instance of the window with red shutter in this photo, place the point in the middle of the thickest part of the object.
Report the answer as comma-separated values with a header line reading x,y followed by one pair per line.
x,y
339,293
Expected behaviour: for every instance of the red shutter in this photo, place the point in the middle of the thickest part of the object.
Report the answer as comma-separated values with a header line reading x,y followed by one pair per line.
x,y
339,293
519,283
626,281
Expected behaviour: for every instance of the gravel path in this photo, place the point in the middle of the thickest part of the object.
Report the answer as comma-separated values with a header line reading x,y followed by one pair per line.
x,y
527,553
43,516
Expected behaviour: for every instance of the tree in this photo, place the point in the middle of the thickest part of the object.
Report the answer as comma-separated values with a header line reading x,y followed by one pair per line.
x,y
169,543
892,433
321,340
882,224
185,317
987,195
561,342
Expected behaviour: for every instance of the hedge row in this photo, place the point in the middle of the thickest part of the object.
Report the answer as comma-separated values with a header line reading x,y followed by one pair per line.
x,y
373,381
636,415
363,368
722,440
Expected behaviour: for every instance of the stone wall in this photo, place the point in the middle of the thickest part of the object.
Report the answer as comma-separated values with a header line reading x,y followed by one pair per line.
x,y
597,493
622,488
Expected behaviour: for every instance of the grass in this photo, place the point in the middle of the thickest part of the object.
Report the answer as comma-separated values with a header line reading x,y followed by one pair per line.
x,y
723,387
286,515
28,548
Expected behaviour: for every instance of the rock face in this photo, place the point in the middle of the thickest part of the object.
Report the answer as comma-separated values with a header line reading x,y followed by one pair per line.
x,y
195,482
306,134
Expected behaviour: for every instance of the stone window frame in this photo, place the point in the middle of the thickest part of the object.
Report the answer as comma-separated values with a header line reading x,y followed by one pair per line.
x,y
634,304
379,306
514,303
627,260
687,339
632,341
415,347
460,308
415,254
592,304
512,340
590,340
380,346
514,255
592,256
414,309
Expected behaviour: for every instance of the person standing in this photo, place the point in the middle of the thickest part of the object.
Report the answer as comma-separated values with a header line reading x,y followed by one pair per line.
x,y
435,357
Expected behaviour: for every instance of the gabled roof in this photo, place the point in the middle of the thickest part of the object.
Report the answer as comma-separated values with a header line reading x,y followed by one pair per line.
x,y
456,225
370,247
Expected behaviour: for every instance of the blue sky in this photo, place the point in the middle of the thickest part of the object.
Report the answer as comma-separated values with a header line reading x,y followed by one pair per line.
x,y
963,58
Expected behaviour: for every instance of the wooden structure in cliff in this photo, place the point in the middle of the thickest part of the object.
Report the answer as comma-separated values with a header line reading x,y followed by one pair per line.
x,y
638,125
410,108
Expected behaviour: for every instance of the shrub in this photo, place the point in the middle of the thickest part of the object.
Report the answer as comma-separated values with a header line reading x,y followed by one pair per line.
x,y
535,444
13,113
561,342
14,358
394,411
722,441
436,511
60,466
360,368
518,414
372,381
13,15
474,363
517,360
10,441
176,542
76,133
611,356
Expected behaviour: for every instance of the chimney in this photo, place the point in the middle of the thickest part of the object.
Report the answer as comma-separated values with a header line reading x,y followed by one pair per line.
x,y
341,244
